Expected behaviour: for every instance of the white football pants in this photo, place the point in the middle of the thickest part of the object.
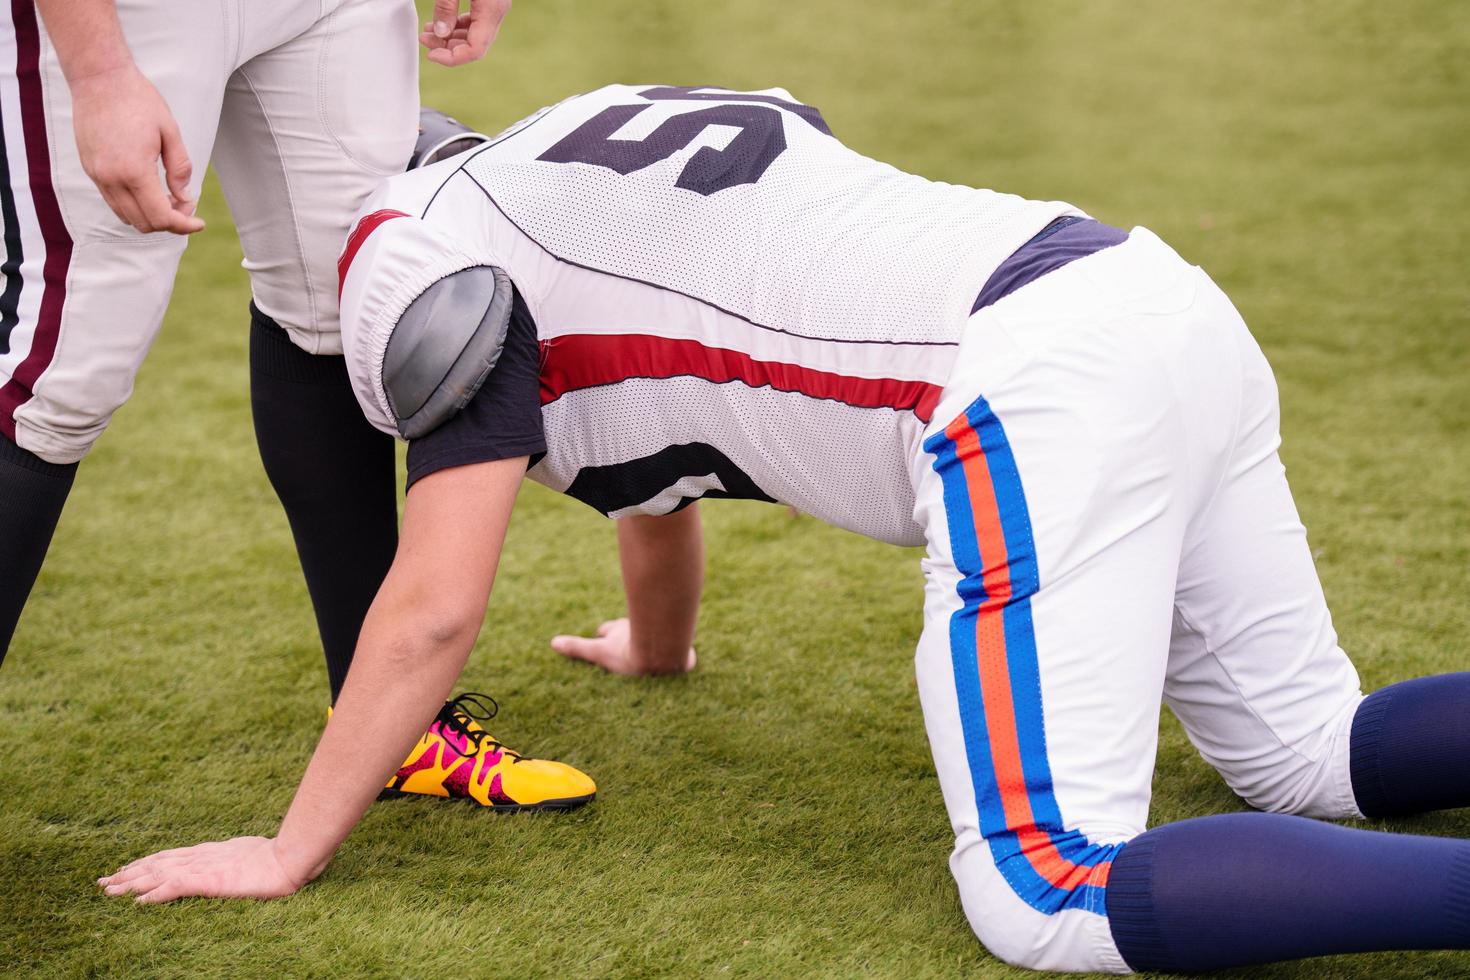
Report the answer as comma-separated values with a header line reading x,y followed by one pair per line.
x,y
1109,526
303,106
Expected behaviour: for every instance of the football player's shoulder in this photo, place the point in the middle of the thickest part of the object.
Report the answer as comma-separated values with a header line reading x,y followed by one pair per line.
x,y
411,192
784,94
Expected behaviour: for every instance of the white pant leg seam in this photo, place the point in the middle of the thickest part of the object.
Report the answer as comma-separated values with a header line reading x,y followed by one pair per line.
x,y
239,44
311,301
1235,685
328,25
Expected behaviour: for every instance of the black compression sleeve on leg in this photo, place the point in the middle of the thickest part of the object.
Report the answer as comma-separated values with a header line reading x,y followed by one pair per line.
x,y
32,493
334,474
1410,747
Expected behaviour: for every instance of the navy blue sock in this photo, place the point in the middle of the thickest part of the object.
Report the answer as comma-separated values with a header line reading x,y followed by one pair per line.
x,y
1410,748
1243,888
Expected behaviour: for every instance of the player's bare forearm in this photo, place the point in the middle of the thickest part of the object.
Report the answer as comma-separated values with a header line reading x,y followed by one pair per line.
x,y
663,576
123,126
414,643
87,36
405,665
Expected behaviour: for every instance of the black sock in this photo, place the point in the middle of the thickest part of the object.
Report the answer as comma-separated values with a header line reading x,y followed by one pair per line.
x,y
334,474
32,493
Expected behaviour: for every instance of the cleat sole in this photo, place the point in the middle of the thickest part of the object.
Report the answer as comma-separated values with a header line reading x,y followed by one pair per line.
x,y
547,806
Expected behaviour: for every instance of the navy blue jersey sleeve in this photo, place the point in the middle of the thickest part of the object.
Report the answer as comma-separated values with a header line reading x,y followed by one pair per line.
x,y
502,420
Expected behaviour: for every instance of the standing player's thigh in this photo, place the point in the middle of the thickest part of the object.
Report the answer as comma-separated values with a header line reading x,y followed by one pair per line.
x,y
309,129
1255,672
1054,516
84,294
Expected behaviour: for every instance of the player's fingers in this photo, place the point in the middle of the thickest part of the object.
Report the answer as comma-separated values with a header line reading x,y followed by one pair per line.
x,y
177,167
485,19
125,206
605,628
180,886
147,881
152,205
158,215
434,43
142,861
580,648
452,54
174,855
446,13
131,871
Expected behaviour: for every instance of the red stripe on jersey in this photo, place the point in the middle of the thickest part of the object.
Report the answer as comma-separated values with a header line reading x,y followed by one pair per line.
x,y
575,361
17,390
365,227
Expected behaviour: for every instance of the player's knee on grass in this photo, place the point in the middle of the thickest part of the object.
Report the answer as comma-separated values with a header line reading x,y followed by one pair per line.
x,y
1072,939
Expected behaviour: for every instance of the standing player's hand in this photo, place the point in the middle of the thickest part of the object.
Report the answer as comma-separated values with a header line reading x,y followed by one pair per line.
x,y
123,128
456,39
612,650
246,867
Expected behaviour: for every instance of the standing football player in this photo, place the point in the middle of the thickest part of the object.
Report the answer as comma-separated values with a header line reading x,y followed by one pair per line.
x,y
304,107
655,295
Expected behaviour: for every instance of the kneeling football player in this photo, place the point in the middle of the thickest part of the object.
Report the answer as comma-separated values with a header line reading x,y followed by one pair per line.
x,y
646,296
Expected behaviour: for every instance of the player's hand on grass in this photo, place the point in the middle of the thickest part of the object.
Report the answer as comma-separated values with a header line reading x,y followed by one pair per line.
x,y
455,39
246,867
123,128
612,650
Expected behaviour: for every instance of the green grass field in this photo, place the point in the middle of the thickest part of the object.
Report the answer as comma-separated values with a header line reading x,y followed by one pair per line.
x,y
776,813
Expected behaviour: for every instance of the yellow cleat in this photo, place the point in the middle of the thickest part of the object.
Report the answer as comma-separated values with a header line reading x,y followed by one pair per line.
x,y
458,759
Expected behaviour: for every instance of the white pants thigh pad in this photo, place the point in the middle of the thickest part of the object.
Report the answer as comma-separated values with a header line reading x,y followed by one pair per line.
x,y
1086,441
329,110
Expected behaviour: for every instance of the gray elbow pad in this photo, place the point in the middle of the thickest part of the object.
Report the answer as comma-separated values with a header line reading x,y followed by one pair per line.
x,y
444,346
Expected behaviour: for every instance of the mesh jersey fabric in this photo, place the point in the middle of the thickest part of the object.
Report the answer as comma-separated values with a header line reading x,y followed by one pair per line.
x,y
728,300
746,201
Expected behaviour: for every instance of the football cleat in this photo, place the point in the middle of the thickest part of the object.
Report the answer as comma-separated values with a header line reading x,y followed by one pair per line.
x,y
458,759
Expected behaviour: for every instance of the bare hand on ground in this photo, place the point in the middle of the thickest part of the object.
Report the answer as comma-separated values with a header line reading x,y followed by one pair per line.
x,y
245,867
612,650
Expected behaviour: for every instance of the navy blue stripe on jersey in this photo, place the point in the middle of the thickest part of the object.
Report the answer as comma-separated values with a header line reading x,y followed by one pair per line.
x,y
608,489
1063,241
14,255
760,140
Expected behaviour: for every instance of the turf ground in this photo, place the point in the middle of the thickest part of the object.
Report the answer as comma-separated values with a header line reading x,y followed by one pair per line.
x,y
777,812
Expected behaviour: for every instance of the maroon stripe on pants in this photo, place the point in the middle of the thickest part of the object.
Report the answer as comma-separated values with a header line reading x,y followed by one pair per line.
x,y
17,390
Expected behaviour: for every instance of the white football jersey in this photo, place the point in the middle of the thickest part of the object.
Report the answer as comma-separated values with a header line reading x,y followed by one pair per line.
x,y
729,301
